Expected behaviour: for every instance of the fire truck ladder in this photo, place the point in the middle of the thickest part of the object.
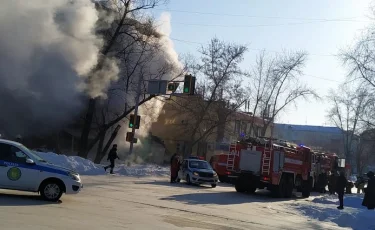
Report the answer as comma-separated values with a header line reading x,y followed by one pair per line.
x,y
231,157
266,162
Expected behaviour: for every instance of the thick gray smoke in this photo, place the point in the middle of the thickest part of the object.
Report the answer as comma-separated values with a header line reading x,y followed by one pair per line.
x,y
48,50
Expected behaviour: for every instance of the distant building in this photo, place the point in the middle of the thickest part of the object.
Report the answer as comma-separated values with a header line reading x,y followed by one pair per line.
x,y
324,138
317,137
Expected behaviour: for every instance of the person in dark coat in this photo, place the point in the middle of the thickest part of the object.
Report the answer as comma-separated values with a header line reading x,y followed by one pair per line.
x,y
175,166
332,183
369,199
112,156
340,188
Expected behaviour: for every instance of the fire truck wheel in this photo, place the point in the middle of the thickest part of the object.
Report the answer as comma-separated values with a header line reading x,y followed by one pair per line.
x,y
240,186
188,181
305,193
251,189
289,185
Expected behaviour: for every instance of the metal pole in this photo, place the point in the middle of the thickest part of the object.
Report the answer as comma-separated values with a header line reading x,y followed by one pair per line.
x,y
136,110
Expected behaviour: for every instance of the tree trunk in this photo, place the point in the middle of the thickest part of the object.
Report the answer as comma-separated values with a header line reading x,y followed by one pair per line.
x,y
99,157
86,129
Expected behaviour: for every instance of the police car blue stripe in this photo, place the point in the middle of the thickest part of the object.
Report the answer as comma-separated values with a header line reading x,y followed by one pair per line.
x,y
35,167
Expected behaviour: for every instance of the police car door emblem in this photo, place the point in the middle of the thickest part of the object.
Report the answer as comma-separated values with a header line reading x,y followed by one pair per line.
x,y
14,174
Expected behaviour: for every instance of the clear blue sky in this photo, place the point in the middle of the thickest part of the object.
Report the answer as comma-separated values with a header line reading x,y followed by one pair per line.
x,y
277,25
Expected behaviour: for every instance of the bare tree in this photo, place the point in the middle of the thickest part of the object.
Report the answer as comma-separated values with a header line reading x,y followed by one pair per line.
x,y
348,106
275,85
126,26
218,91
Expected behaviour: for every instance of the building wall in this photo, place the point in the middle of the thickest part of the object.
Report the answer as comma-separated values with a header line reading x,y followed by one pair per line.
x,y
172,127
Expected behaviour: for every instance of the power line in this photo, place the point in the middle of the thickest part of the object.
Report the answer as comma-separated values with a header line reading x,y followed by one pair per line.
x,y
255,26
265,17
322,78
272,51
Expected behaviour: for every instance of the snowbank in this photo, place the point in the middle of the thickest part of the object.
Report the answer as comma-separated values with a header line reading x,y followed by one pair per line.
x,y
87,167
324,208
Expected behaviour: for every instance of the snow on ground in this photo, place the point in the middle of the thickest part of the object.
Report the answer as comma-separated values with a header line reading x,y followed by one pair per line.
x,y
87,167
324,208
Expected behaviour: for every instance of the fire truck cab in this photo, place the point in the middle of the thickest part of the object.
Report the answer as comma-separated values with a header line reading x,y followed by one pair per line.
x,y
276,165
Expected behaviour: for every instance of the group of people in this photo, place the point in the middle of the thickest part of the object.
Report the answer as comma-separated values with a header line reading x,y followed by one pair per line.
x,y
338,184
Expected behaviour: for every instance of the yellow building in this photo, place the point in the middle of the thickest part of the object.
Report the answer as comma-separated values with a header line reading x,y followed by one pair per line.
x,y
189,125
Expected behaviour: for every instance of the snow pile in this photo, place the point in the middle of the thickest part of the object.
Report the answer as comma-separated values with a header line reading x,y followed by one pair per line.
x,y
87,167
324,208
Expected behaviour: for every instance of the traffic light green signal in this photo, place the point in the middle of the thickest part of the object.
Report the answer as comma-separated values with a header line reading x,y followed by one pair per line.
x,y
134,122
189,84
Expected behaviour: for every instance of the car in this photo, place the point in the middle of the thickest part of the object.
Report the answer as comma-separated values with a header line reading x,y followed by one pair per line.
x,y
195,171
22,169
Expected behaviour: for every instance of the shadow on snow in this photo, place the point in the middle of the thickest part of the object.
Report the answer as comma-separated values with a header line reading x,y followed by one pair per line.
x,y
23,200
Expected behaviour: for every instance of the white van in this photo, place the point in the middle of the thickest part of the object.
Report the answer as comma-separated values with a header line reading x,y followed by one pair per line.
x,y
21,169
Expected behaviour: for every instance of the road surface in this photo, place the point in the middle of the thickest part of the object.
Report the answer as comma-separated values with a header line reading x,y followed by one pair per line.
x,y
117,202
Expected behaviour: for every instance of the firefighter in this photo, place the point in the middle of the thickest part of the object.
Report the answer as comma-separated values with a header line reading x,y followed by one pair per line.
x,y
112,156
340,188
369,199
175,166
332,183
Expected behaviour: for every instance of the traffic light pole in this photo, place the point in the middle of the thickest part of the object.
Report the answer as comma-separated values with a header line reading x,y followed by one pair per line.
x,y
138,95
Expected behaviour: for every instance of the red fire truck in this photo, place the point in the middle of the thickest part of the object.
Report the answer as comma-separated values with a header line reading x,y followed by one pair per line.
x,y
278,165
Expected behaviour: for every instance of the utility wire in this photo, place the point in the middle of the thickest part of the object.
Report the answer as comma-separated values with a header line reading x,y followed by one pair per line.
x,y
322,78
350,19
272,51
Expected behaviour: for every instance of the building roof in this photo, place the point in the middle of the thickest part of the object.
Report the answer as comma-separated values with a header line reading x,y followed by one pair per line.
x,y
309,128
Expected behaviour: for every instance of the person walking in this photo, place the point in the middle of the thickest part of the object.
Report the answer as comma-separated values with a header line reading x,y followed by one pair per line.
x,y
340,189
369,199
112,156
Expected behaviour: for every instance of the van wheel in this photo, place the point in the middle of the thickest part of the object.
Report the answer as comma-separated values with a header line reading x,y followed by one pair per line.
x,y
213,185
51,190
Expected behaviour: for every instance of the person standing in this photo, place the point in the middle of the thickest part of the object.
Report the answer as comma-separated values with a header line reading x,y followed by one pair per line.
x,y
332,183
340,189
175,163
369,199
112,156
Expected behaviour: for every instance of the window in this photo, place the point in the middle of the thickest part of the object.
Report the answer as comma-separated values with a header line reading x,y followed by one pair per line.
x,y
12,154
199,165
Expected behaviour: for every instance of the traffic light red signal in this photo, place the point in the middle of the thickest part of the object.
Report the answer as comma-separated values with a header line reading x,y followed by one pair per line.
x,y
134,122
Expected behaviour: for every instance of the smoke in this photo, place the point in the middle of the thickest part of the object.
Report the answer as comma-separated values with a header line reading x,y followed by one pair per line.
x,y
165,55
48,51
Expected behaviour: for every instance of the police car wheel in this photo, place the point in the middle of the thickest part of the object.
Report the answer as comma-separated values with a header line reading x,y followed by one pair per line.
x,y
51,191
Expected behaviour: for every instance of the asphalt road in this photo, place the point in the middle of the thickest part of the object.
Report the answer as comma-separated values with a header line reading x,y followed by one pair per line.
x,y
116,202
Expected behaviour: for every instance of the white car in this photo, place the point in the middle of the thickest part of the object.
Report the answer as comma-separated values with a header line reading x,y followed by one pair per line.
x,y
21,169
195,171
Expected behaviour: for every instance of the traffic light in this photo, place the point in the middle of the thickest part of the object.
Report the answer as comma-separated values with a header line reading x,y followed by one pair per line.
x,y
129,136
134,122
189,85
172,86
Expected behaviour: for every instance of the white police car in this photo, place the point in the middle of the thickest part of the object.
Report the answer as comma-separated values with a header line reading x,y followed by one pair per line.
x,y
195,171
21,169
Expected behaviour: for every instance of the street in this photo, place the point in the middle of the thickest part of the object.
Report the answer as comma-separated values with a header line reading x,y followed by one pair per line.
x,y
117,202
